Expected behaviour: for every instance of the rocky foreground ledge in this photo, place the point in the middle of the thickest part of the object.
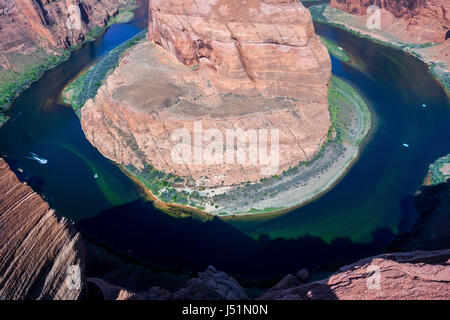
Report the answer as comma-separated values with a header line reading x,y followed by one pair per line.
x,y
398,276
42,257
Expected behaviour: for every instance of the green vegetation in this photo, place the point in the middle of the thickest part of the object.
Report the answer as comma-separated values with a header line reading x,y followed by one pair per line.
x,y
161,185
13,83
340,96
436,174
335,50
86,86
3,118
437,70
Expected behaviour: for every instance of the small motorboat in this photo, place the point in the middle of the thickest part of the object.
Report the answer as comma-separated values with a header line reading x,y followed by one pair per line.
x,y
95,176
34,157
424,105
406,145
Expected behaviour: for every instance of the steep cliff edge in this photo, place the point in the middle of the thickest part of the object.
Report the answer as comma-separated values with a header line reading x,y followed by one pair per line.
x,y
41,256
35,34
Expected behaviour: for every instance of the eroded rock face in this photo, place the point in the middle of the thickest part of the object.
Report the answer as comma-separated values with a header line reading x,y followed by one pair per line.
x,y
403,276
41,256
239,65
249,47
422,21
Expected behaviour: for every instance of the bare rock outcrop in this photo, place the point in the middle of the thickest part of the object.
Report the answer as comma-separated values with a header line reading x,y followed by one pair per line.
x,y
41,256
402,276
255,66
209,285
415,21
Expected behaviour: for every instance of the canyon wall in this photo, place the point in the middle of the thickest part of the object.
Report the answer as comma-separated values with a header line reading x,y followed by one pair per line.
x,y
422,21
252,47
35,36
28,23
41,255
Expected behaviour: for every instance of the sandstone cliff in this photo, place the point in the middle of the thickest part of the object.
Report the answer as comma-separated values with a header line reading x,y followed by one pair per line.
x,y
253,65
34,35
209,285
41,256
416,21
25,24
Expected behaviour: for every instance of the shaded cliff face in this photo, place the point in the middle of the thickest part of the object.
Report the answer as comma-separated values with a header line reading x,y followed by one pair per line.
x,y
250,47
428,21
41,256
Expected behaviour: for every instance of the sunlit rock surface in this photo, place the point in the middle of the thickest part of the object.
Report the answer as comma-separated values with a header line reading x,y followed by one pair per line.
x,y
41,255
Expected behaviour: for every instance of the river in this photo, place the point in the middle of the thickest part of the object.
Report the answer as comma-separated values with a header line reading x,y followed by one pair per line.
x,y
355,219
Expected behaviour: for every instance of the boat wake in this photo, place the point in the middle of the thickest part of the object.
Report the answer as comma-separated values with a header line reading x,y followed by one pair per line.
x,y
33,156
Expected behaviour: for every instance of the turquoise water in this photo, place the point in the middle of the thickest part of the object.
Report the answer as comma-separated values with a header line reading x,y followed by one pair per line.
x,y
355,219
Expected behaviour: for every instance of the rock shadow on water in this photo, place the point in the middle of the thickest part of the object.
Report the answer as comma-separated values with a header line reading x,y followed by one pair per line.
x,y
431,227
140,230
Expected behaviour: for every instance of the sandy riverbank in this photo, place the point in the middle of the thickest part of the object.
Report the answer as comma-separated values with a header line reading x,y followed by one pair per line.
x,y
351,119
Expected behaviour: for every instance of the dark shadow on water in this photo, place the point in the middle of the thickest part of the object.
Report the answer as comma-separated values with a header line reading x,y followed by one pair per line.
x,y
409,214
142,231
431,227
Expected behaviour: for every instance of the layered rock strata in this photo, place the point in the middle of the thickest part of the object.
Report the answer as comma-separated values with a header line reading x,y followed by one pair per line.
x,y
41,256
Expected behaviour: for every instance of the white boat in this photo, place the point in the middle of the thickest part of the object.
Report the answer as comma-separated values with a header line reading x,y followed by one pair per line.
x,y
34,157
424,105
95,176
406,145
